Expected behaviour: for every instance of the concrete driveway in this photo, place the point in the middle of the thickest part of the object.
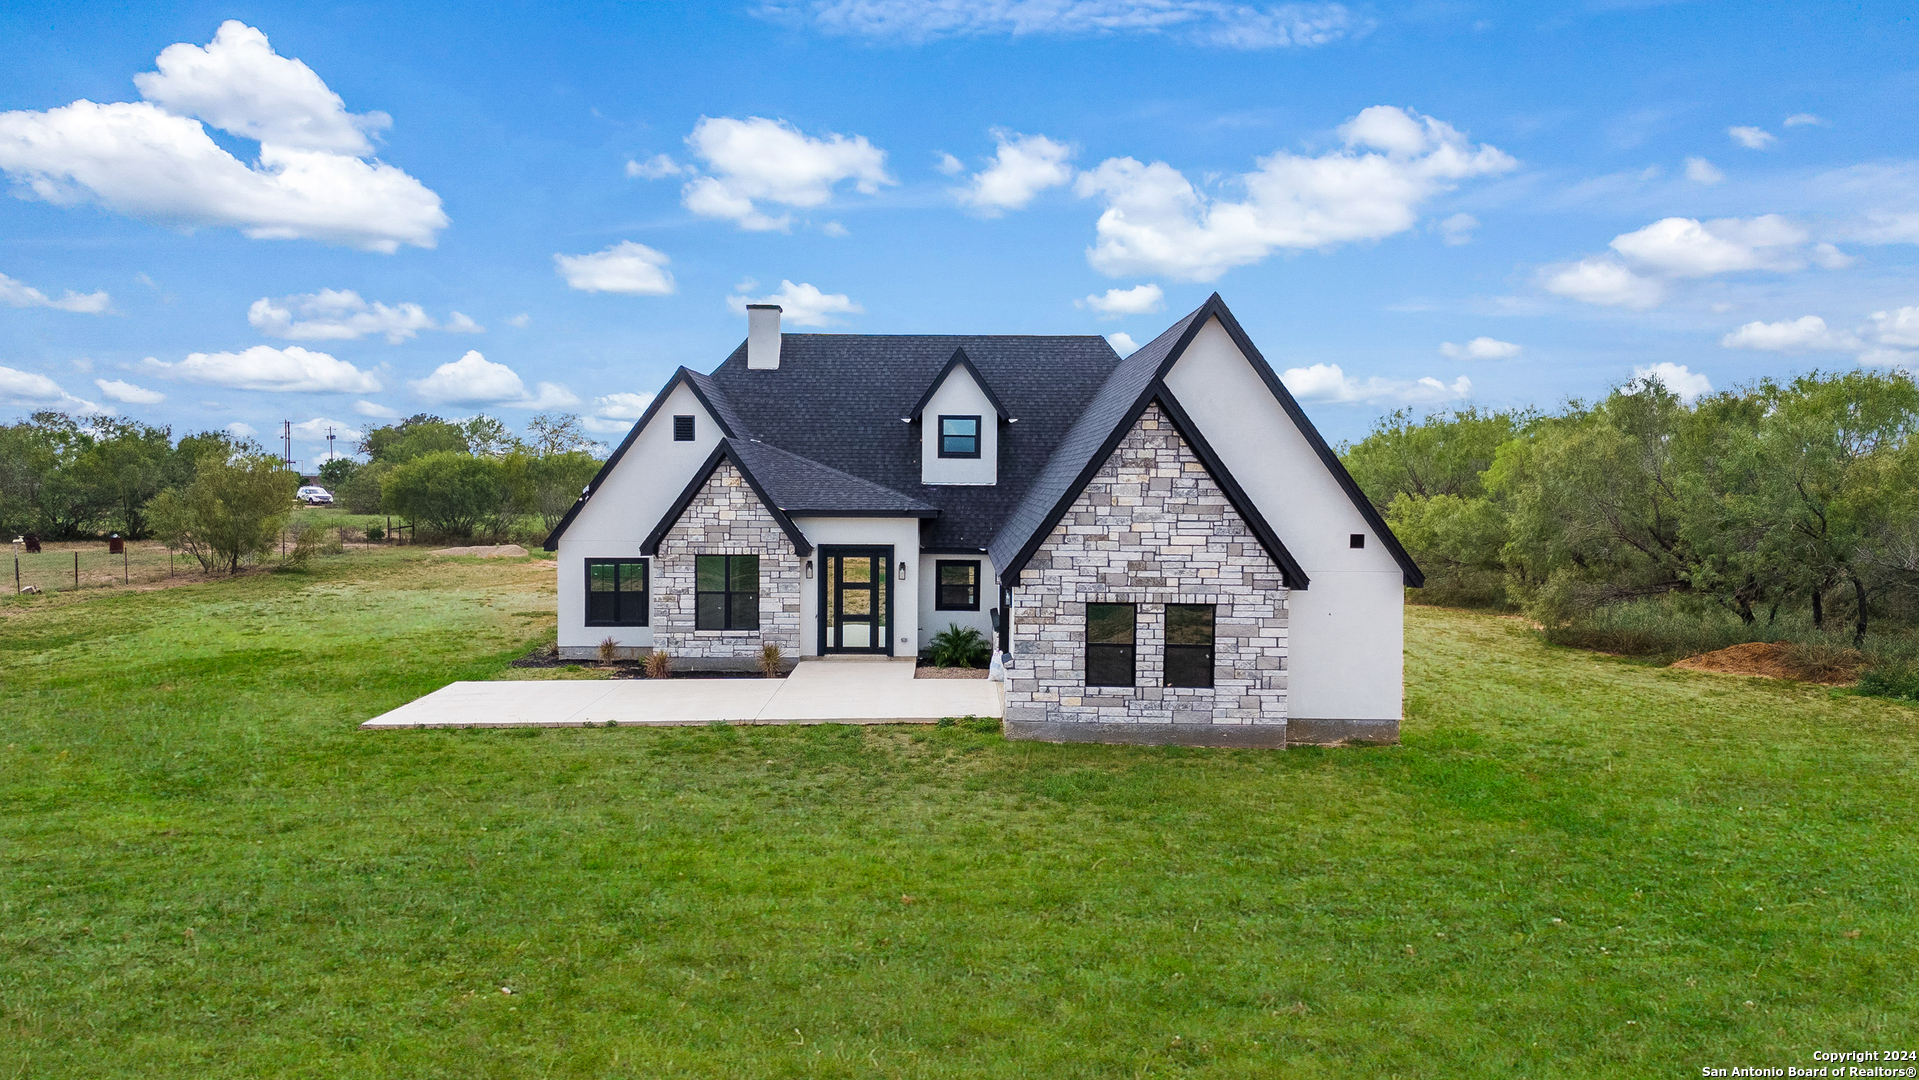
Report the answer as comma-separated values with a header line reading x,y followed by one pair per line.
x,y
817,692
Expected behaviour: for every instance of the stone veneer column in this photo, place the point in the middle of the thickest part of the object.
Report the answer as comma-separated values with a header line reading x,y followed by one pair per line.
x,y
726,518
1152,528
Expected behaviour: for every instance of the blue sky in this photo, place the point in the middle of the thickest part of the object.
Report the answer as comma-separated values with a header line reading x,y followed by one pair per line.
x,y
452,210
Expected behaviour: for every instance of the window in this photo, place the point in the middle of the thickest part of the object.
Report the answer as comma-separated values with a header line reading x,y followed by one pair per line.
x,y
957,586
959,436
682,429
1357,540
616,592
1109,644
726,592
1189,645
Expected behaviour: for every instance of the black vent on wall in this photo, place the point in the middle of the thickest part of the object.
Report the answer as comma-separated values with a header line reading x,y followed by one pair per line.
x,y
682,429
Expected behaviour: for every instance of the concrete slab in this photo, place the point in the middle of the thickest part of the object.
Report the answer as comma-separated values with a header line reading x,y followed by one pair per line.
x,y
815,693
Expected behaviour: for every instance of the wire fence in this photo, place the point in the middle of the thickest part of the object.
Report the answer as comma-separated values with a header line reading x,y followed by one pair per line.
x,y
63,566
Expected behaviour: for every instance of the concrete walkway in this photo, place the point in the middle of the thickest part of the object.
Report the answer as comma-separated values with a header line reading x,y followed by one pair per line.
x,y
817,692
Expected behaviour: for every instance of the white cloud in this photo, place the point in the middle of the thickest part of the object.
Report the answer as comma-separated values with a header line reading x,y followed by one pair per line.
x,y
375,410
1479,348
1222,23
1701,171
626,267
657,167
336,315
757,160
1326,382
1802,119
802,305
1023,166
240,85
241,430
20,294
1689,385
313,178
475,380
117,390
457,323
1138,300
1458,229
1604,281
948,164
1809,332
833,228
621,406
316,428
1900,327
1156,222
263,367
1752,138
520,320
613,414
1122,343
1683,247
26,388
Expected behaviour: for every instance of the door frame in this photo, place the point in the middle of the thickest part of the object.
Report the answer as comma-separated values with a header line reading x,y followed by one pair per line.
x,y
829,595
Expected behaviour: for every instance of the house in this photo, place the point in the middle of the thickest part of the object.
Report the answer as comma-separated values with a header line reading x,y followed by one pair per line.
x,y
1166,548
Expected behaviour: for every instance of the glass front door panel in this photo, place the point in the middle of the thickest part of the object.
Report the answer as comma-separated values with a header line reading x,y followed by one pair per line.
x,y
856,601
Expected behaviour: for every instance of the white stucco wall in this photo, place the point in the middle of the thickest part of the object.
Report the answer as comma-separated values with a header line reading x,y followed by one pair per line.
x,y
959,395
902,535
1347,631
932,620
624,510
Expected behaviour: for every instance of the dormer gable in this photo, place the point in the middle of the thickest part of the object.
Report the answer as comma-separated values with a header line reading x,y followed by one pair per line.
x,y
959,418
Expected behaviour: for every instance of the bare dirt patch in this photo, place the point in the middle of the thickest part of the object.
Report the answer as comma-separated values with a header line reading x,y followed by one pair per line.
x,y
1780,660
485,551
949,673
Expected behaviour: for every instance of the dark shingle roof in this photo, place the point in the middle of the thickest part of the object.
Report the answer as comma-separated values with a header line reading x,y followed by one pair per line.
x,y
837,400
800,486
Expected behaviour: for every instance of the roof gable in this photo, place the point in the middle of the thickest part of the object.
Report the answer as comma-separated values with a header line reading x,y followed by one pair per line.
x,y
959,360
1136,383
725,451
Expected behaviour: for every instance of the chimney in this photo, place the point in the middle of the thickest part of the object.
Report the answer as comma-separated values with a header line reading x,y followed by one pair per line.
x,y
762,337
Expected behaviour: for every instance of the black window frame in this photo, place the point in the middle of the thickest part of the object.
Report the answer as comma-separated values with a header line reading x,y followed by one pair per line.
x,y
939,584
1356,540
730,596
683,429
978,437
621,617
1107,651
1191,651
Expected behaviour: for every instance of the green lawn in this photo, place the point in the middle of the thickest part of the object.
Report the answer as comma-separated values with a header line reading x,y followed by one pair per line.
x,y
1575,866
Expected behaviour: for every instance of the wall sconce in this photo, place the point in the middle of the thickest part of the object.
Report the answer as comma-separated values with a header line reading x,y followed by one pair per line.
x,y
902,571
809,569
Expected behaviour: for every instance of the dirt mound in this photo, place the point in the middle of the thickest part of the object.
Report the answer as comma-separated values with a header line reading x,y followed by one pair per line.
x,y
485,551
1780,660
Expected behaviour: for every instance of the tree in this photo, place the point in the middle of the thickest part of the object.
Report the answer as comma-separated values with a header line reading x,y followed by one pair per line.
x,y
557,433
488,437
410,438
449,493
335,472
1444,454
123,465
557,482
233,509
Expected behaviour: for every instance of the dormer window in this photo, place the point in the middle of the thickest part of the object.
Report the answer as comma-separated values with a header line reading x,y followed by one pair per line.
x,y
959,436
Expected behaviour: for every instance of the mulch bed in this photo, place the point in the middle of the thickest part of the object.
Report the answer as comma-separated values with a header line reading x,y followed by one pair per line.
x,y
925,672
623,669
1780,660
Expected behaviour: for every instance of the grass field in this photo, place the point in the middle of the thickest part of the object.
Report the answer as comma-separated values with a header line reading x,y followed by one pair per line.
x,y
1575,866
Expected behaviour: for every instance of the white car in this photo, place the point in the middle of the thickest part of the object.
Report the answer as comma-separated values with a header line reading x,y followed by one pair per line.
x,y
314,495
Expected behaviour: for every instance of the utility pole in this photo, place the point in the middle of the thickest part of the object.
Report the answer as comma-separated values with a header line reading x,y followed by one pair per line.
x,y
286,432
329,442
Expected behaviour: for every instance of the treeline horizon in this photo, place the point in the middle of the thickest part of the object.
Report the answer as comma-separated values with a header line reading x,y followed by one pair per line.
x,y
1797,496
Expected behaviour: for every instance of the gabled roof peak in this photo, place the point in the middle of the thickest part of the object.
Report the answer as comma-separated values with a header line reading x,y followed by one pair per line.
x,y
959,359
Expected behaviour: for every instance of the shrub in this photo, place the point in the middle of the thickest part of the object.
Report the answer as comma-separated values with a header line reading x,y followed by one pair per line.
x,y
1897,679
361,492
231,511
770,659
447,492
609,649
959,646
659,664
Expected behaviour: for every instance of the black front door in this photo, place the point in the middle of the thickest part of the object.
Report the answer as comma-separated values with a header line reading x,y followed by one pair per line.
x,y
856,600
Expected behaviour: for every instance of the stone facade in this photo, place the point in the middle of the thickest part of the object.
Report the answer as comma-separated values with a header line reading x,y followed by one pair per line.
x,y
1152,528
726,518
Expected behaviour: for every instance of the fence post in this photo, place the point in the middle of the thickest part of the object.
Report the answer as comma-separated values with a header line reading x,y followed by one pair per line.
x,y
126,567
76,570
